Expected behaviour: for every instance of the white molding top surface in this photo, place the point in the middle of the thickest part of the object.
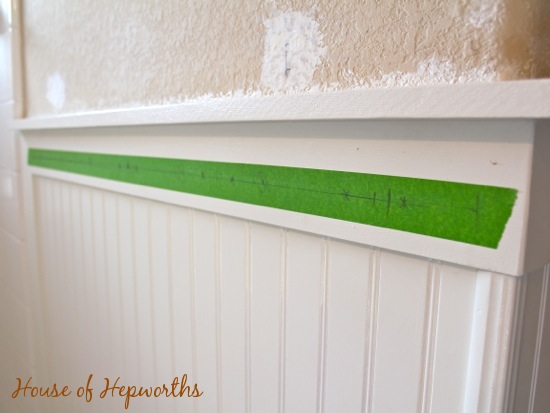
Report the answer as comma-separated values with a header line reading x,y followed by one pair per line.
x,y
472,133
526,99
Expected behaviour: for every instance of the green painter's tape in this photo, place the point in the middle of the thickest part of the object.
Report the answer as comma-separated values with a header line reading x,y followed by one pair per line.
x,y
473,214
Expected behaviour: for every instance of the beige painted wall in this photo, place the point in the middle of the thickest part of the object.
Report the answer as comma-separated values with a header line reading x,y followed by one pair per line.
x,y
99,54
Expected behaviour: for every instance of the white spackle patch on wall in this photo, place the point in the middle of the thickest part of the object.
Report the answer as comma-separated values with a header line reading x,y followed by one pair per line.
x,y
56,91
293,48
435,71
483,14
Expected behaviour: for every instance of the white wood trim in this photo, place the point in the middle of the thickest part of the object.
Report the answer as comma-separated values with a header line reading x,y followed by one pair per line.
x,y
538,345
526,99
516,334
477,341
491,342
417,148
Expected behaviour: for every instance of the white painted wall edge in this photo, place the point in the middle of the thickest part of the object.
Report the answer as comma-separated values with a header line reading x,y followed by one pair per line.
x,y
526,99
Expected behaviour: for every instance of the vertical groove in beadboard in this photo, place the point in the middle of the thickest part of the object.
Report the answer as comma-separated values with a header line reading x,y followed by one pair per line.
x,y
171,305
370,331
60,258
63,273
83,304
74,273
43,246
540,331
120,294
68,302
94,273
283,321
64,263
430,332
110,338
133,286
218,317
170,285
248,323
53,277
151,295
323,327
192,269
118,303
95,298
82,272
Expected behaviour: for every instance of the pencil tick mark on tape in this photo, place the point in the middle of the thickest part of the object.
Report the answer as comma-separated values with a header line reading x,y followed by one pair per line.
x,y
476,209
475,214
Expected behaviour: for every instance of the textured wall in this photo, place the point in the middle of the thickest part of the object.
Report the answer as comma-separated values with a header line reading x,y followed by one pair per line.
x,y
99,54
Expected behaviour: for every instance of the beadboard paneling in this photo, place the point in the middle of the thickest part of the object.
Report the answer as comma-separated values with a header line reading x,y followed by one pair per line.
x,y
528,391
267,265
264,319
